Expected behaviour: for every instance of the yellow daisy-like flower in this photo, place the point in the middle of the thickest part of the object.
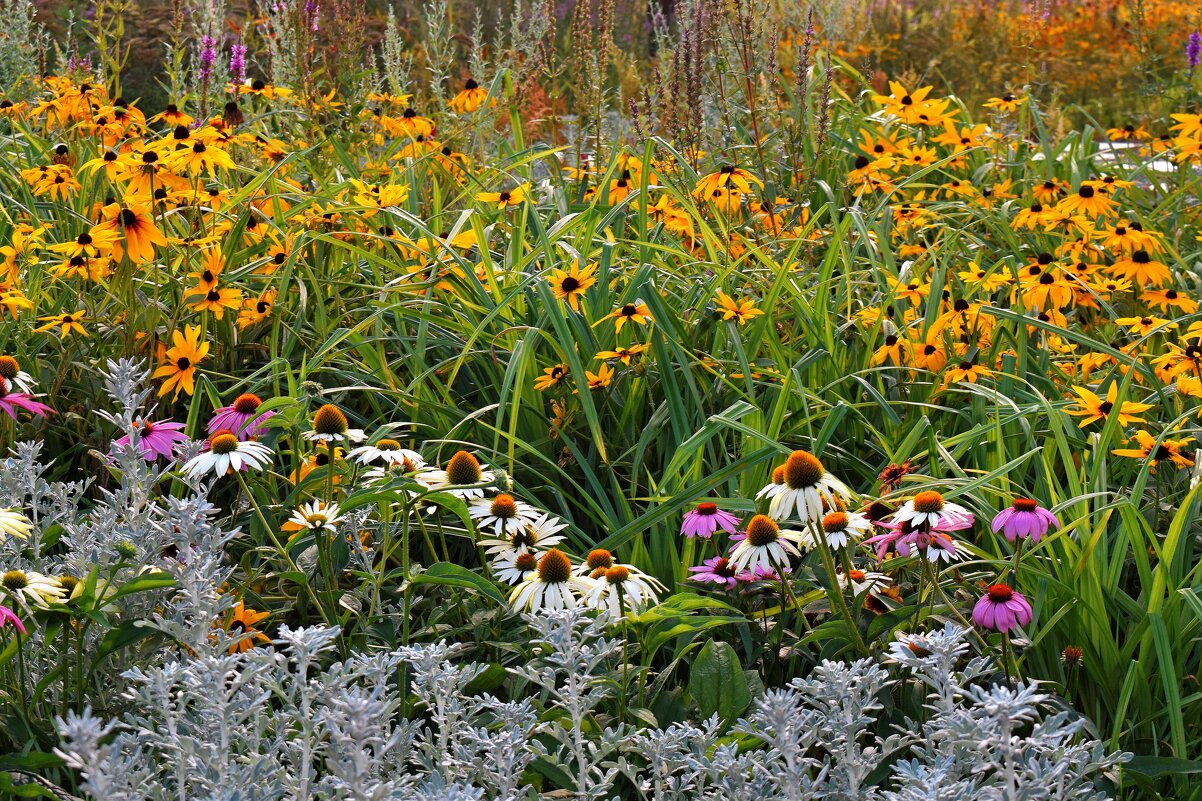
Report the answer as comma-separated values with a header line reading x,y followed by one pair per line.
x,y
181,360
1092,408
66,323
504,200
571,284
738,310
551,377
629,312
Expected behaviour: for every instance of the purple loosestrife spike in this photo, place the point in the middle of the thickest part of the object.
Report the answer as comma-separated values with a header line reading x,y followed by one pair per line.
x,y
208,56
1193,49
238,63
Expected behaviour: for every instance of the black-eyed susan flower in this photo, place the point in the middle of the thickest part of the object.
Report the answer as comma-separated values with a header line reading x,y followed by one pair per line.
x,y
256,309
241,625
1140,268
504,200
600,379
624,355
133,223
1087,200
628,312
571,284
69,323
1005,104
470,98
551,377
1091,408
1165,299
739,310
216,300
1149,450
181,359
729,179
967,372
1143,326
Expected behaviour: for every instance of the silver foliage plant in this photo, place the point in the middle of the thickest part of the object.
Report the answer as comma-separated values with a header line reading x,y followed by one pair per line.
x,y
274,724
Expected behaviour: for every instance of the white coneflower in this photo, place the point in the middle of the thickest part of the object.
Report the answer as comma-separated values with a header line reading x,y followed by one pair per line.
x,y
513,567
842,528
595,564
389,453
803,487
464,477
14,524
552,586
623,589
537,535
930,509
33,587
502,515
11,371
316,516
862,581
766,546
226,452
330,425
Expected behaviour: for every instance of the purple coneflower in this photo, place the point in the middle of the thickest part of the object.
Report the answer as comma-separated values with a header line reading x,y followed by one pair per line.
x,y
9,616
1001,609
904,537
706,519
762,573
241,417
155,438
11,401
717,570
1024,519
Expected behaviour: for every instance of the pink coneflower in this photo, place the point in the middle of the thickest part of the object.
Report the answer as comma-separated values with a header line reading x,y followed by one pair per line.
x,y
1001,609
11,401
706,519
762,573
241,417
903,537
717,570
1024,519
9,616
156,438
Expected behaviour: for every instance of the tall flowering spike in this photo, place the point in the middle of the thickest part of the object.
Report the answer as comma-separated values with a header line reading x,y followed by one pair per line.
x,y
208,56
1193,49
238,63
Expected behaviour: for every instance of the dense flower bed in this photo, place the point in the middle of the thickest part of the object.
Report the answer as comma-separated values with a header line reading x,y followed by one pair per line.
x,y
786,432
